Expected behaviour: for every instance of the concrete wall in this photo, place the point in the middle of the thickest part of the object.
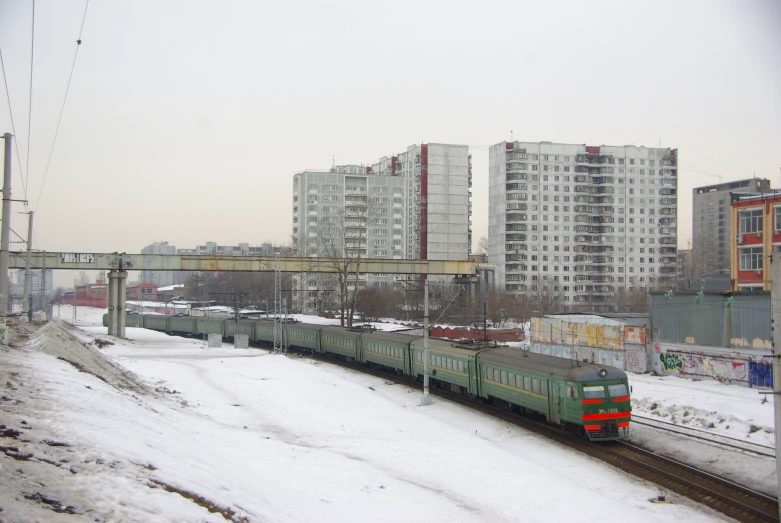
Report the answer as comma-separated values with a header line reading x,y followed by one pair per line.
x,y
631,358
742,367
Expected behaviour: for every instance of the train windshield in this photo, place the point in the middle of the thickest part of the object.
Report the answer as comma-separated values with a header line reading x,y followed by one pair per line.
x,y
617,391
594,391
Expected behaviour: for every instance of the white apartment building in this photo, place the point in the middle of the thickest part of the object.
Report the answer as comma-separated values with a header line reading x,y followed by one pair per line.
x,y
582,221
438,188
159,278
414,205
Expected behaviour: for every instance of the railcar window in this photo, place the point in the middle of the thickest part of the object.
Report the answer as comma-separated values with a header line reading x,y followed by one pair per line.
x,y
527,383
460,366
536,386
439,361
572,392
616,391
518,381
593,391
496,375
504,377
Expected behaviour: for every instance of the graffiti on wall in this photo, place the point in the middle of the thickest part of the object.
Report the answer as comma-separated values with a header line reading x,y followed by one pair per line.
x,y
671,362
725,368
760,374
634,334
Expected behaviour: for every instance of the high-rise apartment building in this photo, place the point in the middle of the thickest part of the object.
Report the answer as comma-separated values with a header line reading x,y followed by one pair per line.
x,y
413,205
582,221
711,225
159,278
438,191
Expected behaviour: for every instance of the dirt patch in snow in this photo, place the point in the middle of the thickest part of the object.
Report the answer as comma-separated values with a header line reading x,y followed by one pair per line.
x,y
55,339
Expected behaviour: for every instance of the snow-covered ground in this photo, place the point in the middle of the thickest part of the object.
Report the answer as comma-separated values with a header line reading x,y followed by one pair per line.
x,y
285,438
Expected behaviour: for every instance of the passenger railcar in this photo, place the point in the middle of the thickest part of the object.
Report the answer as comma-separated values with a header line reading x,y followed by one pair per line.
x,y
449,363
582,397
388,350
343,342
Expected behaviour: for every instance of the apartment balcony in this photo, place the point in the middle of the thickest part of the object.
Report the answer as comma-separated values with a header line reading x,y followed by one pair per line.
x,y
516,217
516,176
667,192
667,250
667,221
669,259
667,240
516,227
668,270
668,201
593,248
668,211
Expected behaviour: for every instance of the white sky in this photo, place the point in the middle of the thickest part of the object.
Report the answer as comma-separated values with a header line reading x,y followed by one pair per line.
x,y
186,120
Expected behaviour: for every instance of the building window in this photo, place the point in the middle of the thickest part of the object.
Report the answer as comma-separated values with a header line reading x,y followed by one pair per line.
x,y
751,221
751,259
777,220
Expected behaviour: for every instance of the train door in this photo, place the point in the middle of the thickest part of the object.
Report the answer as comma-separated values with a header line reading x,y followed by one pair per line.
x,y
554,402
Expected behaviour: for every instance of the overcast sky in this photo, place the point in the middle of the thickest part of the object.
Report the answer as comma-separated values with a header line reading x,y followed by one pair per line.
x,y
186,121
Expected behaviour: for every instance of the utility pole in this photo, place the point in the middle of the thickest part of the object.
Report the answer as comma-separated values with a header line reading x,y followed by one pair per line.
x,y
26,305
6,226
75,295
426,363
43,288
775,301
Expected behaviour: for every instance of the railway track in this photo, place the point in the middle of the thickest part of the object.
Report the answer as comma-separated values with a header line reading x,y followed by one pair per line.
x,y
725,496
720,494
707,436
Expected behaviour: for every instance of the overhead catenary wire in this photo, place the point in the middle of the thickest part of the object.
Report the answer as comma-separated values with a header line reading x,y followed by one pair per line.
x,y
64,101
13,126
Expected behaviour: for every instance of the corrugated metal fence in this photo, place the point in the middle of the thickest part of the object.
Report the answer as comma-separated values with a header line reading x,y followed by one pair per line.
x,y
709,318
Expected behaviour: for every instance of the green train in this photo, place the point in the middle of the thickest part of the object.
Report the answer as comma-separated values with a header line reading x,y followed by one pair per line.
x,y
581,397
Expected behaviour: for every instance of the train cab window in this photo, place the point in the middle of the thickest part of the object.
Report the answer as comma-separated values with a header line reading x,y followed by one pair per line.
x,y
593,391
504,377
617,391
527,383
572,392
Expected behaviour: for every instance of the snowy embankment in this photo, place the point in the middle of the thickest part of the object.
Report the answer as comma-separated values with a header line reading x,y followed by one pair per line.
x,y
252,435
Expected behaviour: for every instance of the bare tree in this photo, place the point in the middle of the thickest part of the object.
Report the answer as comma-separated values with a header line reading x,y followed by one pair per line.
x,y
342,248
482,246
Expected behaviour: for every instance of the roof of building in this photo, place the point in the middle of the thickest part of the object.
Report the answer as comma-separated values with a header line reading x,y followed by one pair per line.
x,y
588,319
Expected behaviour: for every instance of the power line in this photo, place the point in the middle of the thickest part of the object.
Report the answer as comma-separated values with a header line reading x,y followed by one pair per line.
x,y
13,127
62,110
30,107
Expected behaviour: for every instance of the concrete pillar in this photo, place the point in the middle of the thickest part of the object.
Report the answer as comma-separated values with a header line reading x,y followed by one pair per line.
x,y
112,303
121,301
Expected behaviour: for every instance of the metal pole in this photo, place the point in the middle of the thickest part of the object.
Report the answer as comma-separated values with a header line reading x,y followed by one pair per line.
x,y
426,363
26,305
43,287
75,294
6,226
775,299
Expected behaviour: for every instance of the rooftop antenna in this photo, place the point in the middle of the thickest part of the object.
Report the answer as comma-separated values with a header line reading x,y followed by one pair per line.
x,y
333,161
511,137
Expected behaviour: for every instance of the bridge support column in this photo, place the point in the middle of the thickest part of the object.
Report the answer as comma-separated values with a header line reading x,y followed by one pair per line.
x,y
117,289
